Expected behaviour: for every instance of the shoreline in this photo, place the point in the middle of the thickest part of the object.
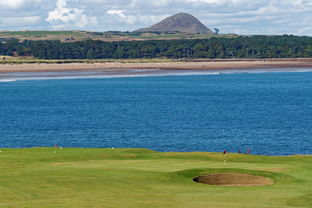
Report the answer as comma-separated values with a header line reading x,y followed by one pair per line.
x,y
150,150
124,68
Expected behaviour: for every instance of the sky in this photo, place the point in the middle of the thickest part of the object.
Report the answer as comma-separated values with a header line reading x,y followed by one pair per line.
x,y
244,17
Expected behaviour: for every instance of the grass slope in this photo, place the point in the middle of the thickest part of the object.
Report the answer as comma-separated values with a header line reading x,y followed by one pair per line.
x,y
72,177
10,60
71,36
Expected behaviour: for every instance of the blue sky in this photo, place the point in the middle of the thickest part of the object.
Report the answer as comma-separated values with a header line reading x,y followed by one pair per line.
x,y
230,16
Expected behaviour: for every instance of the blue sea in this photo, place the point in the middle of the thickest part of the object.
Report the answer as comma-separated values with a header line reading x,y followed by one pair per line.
x,y
268,113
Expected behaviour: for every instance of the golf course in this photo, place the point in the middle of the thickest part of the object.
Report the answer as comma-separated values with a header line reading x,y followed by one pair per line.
x,y
111,178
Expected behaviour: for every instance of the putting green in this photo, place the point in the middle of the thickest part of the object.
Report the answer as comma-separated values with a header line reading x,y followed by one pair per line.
x,y
134,178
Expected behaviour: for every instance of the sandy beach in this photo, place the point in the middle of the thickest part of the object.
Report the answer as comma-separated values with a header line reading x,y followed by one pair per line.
x,y
176,65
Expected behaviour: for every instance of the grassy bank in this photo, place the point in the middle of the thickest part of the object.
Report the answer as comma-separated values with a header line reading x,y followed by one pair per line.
x,y
28,60
49,177
71,36
11,60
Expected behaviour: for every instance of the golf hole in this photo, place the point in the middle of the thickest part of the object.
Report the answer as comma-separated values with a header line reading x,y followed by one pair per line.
x,y
233,179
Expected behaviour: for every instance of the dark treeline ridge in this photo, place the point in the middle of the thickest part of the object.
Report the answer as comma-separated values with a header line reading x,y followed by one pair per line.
x,y
286,46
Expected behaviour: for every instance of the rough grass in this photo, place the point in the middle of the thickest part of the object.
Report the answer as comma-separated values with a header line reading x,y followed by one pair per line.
x,y
29,60
38,33
301,201
105,36
72,177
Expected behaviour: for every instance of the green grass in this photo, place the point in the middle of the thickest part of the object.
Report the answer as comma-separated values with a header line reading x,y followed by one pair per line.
x,y
30,60
45,35
105,36
134,178
38,33
301,201
180,36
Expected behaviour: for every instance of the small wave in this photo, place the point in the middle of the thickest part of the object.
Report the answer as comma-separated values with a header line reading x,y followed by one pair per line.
x,y
8,80
107,76
151,73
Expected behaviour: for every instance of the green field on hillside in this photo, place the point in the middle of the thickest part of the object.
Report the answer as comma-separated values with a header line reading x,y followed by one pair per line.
x,y
134,178
71,36
43,35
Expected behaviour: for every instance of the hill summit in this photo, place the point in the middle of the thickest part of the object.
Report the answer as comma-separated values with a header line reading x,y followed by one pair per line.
x,y
181,22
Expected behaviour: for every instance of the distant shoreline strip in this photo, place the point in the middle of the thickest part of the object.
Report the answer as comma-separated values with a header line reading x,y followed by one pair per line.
x,y
106,74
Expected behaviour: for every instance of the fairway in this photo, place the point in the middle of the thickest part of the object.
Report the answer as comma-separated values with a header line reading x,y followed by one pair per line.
x,y
117,178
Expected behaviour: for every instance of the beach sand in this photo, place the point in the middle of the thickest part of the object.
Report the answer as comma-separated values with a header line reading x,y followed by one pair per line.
x,y
119,67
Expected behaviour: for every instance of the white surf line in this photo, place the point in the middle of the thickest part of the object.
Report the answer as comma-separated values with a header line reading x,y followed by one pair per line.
x,y
99,76
160,73
8,80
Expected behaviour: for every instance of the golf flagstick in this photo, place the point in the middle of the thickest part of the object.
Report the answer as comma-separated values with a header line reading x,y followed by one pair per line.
x,y
225,154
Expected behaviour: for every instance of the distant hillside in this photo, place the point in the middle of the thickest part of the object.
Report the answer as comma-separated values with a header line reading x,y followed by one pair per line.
x,y
110,36
182,22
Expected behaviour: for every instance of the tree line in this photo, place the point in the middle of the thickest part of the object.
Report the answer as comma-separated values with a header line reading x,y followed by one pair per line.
x,y
286,46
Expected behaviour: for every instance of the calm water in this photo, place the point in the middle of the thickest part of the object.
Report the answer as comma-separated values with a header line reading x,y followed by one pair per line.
x,y
270,113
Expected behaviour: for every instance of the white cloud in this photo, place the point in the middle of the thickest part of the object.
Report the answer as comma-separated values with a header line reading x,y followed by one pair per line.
x,y
119,13
11,3
208,1
15,4
132,19
62,16
242,16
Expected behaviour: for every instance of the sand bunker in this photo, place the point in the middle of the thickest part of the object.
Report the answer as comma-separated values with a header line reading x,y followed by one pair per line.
x,y
233,179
